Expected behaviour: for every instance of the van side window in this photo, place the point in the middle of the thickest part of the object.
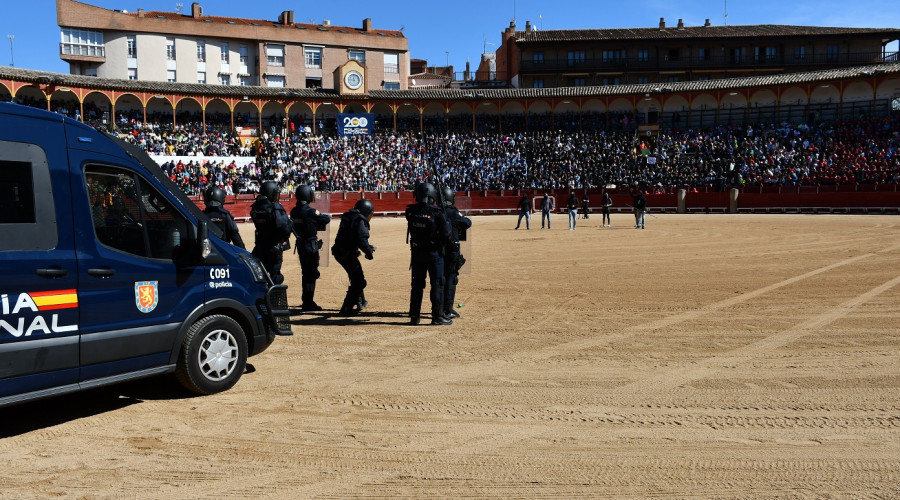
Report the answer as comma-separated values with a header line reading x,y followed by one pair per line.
x,y
27,206
130,215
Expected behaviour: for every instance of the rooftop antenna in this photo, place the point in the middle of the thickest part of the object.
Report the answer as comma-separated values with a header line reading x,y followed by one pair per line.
x,y
541,19
178,7
486,43
514,11
726,12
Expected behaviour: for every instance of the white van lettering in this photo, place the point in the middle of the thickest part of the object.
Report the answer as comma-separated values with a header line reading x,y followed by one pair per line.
x,y
38,323
4,304
24,301
54,325
15,332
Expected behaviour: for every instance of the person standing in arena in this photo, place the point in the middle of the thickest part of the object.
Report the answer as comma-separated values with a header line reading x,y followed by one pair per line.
x,y
353,238
572,208
453,259
546,209
307,223
273,229
429,234
606,202
214,197
525,210
585,207
640,206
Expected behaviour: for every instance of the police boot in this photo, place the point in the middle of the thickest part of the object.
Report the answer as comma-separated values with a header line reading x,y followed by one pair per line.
x,y
309,291
438,318
348,309
362,303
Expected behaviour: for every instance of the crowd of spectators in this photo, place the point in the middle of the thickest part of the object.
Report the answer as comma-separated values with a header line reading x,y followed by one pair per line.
x,y
557,152
857,151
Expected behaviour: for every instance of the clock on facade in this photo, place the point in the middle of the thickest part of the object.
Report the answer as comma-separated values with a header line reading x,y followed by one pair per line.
x,y
353,80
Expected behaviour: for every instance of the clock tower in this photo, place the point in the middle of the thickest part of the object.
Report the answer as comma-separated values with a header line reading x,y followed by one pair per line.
x,y
350,78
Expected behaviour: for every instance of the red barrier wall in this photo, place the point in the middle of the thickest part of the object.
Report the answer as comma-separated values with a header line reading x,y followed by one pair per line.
x,y
506,201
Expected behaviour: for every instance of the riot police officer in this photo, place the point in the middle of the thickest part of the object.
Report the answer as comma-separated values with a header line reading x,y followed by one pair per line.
x,y
353,238
307,222
429,233
453,259
273,229
214,197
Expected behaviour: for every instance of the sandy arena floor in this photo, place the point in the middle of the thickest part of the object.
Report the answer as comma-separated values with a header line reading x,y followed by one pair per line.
x,y
708,356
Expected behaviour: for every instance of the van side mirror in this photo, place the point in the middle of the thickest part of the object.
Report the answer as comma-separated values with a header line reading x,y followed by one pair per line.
x,y
205,245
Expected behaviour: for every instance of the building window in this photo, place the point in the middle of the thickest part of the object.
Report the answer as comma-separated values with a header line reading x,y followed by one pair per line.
x,y
275,55
617,81
613,56
201,51
538,83
800,52
391,85
738,55
245,81
673,55
576,57
201,77
391,63
643,79
537,58
132,73
275,80
702,78
771,54
132,46
703,54
357,55
313,57
224,79
170,76
831,53
225,57
673,79
170,49
579,82
313,83
81,43
243,53
643,55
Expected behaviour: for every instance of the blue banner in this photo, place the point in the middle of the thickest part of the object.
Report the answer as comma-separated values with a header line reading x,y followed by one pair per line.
x,y
356,123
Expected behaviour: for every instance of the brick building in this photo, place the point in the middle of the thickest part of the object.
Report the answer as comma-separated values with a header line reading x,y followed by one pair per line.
x,y
196,48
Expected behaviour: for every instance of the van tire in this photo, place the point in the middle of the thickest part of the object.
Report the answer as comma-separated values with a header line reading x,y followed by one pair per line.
x,y
213,355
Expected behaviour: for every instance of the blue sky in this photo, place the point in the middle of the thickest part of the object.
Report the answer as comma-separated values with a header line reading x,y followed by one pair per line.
x,y
459,27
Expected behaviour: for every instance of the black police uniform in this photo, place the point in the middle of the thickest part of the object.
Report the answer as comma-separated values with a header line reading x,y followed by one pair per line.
x,y
352,237
453,259
273,228
307,222
429,233
223,219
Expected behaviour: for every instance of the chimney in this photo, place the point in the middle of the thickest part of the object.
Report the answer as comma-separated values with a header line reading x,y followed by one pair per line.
x,y
196,10
706,24
326,22
367,24
527,26
140,12
286,17
681,24
662,23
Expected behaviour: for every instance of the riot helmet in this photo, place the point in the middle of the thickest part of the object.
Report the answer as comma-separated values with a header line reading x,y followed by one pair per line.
x,y
365,207
214,196
270,190
304,193
449,196
426,193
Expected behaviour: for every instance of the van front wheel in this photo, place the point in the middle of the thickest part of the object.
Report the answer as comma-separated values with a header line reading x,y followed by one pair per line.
x,y
213,355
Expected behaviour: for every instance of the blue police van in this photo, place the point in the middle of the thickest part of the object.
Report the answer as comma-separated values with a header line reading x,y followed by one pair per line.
x,y
108,272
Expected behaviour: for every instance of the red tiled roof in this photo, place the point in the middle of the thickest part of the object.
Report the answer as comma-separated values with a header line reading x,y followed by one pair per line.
x,y
174,16
673,33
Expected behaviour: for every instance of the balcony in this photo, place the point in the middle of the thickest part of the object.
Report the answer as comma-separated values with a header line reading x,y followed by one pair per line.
x,y
82,52
721,62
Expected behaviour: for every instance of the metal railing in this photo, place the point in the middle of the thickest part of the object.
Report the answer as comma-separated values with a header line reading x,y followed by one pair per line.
x,y
667,62
77,49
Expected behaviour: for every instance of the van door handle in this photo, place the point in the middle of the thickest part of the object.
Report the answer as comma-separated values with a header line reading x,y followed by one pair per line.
x,y
102,273
52,272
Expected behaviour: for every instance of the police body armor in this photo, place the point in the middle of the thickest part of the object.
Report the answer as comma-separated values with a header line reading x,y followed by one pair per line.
x,y
423,226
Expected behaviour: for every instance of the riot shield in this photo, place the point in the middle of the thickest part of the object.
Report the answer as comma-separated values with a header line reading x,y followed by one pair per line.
x,y
322,203
464,204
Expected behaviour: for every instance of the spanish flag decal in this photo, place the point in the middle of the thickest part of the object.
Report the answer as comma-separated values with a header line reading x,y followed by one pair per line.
x,y
55,299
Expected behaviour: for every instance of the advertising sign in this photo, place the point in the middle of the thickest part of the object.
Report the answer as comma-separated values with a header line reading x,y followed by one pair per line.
x,y
356,124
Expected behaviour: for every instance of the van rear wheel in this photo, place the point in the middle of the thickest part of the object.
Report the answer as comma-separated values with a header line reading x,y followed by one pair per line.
x,y
213,355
